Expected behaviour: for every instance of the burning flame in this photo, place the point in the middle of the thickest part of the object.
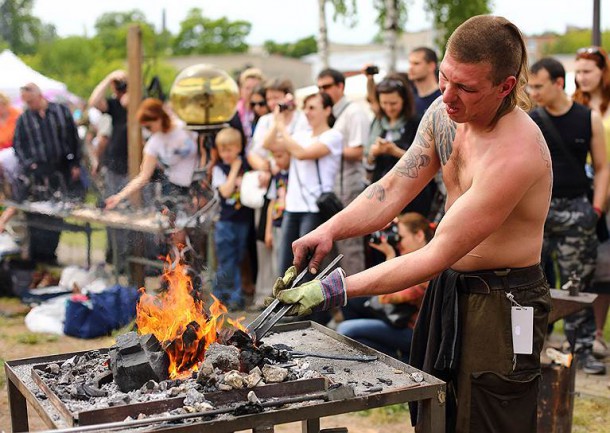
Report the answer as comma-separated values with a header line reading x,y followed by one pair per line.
x,y
180,322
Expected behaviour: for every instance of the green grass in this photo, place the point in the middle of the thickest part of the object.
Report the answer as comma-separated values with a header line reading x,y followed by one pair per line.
x,y
591,415
75,239
36,338
387,414
2,374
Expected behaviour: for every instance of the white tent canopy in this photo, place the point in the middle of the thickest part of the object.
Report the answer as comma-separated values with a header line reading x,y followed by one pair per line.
x,y
15,74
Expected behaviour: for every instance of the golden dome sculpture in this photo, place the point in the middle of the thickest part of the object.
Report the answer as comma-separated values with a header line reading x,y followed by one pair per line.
x,y
204,95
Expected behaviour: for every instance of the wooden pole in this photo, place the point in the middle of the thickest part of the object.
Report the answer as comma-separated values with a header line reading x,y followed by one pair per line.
x,y
134,84
134,132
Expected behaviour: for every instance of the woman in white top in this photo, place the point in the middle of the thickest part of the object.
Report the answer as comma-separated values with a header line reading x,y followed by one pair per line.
x,y
314,164
170,146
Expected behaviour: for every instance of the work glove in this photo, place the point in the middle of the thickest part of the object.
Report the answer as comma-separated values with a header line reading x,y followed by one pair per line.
x,y
285,282
316,295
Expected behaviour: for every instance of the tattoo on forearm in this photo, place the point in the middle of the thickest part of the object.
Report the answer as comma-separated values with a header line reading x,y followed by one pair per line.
x,y
411,163
375,191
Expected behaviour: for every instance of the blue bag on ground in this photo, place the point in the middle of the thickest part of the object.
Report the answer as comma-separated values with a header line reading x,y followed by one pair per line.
x,y
101,313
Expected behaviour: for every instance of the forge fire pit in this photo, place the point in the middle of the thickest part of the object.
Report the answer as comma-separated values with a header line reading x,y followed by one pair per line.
x,y
382,382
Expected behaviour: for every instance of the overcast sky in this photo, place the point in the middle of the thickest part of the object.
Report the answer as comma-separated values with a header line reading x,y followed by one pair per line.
x,y
290,20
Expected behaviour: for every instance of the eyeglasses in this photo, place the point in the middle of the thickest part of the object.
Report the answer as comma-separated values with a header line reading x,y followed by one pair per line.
x,y
259,103
591,51
588,50
323,87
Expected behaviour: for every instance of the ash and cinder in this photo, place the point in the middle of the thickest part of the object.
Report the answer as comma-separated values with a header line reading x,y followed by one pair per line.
x,y
135,371
85,382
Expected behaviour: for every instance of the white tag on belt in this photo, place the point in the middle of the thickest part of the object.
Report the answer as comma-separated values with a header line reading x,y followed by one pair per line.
x,y
522,325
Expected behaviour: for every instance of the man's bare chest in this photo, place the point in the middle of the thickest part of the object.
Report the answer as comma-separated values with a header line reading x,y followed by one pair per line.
x,y
458,172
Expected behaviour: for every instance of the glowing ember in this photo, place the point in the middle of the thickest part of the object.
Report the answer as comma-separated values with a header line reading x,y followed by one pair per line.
x,y
180,322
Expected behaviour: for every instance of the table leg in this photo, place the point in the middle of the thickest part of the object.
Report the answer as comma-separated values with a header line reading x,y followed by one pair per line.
x,y
433,414
115,255
310,425
18,408
88,233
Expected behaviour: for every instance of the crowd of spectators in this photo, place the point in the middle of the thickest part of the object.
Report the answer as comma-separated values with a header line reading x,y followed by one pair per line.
x,y
299,150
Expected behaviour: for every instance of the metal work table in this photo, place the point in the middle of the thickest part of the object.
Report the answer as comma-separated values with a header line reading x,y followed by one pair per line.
x,y
430,391
56,213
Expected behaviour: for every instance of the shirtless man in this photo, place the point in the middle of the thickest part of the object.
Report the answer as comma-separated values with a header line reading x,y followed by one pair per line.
x,y
485,255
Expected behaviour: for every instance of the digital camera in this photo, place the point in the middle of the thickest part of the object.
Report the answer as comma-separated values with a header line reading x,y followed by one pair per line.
x,y
390,233
372,70
286,106
120,85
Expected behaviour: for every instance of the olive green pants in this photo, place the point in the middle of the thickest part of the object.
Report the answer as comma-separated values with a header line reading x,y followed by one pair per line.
x,y
497,391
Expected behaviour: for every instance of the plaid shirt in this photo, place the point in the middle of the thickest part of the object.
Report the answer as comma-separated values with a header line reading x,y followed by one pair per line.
x,y
52,139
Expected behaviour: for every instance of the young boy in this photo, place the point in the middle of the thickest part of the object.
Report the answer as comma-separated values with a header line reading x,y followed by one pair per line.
x,y
231,232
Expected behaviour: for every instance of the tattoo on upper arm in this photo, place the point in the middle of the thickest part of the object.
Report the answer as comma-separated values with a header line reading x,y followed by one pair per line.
x,y
546,157
375,191
437,129
544,150
412,162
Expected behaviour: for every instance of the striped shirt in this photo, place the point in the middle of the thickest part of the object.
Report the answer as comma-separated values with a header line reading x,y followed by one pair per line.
x,y
51,139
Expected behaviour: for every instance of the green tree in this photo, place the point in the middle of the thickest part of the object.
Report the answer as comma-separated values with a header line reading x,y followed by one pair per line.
x,y
297,49
201,35
68,60
346,9
163,70
571,41
449,14
111,33
21,30
401,18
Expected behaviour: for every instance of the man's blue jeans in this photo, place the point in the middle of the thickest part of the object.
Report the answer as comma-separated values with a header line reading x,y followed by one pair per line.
x,y
230,239
294,225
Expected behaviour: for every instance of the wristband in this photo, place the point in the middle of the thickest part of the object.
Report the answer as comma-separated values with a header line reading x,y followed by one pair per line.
x,y
598,211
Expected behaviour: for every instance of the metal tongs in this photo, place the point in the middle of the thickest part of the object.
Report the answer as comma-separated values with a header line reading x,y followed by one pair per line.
x,y
260,326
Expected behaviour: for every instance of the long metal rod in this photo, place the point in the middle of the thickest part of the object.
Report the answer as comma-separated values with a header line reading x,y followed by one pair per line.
x,y
269,323
362,358
253,326
322,395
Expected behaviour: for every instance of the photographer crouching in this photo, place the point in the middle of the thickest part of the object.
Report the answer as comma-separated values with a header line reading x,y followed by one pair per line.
x,y
386,322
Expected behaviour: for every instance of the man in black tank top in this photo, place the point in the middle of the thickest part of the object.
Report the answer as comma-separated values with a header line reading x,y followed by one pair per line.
x,y
572,131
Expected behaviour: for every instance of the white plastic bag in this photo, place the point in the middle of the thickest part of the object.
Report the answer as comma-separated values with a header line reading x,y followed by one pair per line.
x,y
251,194
49,316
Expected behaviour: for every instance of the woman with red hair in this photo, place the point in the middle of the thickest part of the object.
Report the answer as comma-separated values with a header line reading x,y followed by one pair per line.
x,y
170,147
593,90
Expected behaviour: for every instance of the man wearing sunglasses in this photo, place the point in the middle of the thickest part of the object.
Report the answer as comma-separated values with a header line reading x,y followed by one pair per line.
x,y
353,123
484,315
